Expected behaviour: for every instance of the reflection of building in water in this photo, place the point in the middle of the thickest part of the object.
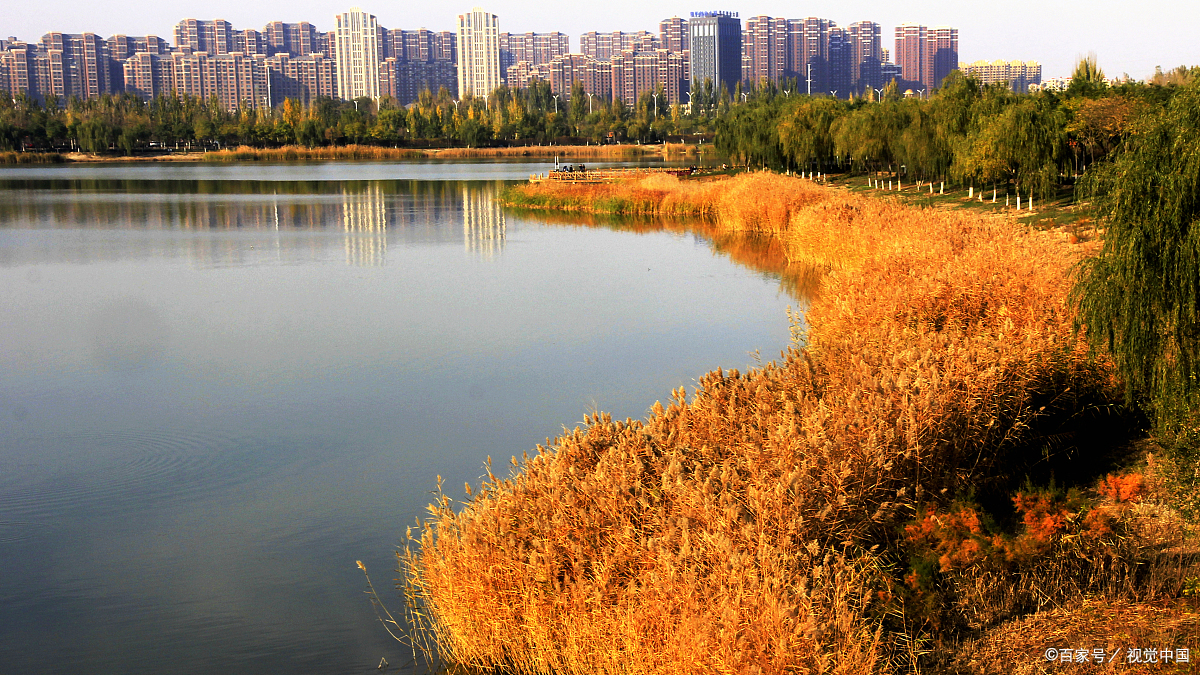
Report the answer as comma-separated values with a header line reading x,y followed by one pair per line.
x,y
483,221
364,221
216,223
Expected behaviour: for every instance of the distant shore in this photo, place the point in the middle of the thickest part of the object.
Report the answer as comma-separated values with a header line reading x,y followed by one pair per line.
x,y
293,153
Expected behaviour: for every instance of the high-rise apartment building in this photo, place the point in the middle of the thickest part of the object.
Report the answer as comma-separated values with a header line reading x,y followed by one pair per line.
x,y
204,37
520,74
478,53
673,34
535,48
637,73
358,52
300,77
926,56
418,60
249,41
76,65
941,48
765,50
715,42
293,39
866,56
604,46
910,53
1020,76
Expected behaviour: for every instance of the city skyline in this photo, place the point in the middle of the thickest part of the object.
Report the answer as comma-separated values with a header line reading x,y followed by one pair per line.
x,y
1054,34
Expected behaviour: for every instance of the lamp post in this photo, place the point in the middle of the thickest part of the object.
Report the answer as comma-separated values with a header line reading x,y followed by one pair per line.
x,y
922,93
485,102
743,97
655,95
809,79
878,95
556,104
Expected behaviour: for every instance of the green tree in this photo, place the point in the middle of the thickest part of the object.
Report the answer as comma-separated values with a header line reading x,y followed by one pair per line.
x,y
1140,297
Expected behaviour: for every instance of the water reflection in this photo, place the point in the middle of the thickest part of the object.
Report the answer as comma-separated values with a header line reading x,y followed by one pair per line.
x,y
368,215
483,225
364,221
200,436
758,252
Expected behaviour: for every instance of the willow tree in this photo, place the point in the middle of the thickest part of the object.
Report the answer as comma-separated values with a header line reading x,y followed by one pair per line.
x,y
804,131
1140,297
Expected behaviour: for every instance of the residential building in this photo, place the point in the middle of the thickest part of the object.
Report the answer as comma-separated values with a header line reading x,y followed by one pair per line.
x,y
866,55
942,55
604,46
521,73
358,51
673,34
204,37
715,41
478,53
765,50
1020,76
293,39
536,48
75,65
635,73
301,77
417,60
926,56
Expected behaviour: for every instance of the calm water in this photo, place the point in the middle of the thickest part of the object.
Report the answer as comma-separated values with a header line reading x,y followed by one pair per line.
x,y
220,385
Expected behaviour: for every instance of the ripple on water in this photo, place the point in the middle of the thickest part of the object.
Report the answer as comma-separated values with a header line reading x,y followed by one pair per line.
x,y
113,468
12,531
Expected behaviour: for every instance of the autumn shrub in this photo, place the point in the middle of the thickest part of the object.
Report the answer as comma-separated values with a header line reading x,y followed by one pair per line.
x,y
752,527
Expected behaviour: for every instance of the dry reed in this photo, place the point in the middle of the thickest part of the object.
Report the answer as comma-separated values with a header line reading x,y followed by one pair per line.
x,y
31,158
752,527
294,153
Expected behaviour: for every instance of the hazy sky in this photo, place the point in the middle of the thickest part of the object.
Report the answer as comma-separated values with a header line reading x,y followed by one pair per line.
x,y
1128,37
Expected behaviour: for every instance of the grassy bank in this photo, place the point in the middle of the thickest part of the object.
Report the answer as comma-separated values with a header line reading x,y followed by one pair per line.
x,y
31,158
294,153
939,456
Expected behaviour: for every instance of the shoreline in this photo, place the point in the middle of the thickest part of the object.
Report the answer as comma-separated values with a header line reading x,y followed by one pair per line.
x,y
372,153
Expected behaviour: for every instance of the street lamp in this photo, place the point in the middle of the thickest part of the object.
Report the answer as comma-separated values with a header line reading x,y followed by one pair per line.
x,y
485,102
833,93
809,79
878,95
743,97
556,104
655,95
922,93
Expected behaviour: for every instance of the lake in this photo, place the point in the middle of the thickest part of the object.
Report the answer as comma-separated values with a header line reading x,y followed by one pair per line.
x,y
223,384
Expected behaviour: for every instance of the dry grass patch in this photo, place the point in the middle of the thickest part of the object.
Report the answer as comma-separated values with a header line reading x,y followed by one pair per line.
x,y
758,526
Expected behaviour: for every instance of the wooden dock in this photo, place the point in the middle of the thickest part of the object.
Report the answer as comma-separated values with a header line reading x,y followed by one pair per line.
x,y
605,175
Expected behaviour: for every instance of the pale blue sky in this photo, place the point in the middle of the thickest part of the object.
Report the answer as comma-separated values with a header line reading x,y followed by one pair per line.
x,y
1128,37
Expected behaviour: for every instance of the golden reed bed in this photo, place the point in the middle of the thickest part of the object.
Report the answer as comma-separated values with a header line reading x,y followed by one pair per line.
x,y
292,153
754,526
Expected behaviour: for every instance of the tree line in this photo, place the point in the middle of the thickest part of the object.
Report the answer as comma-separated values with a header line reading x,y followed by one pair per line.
x,y
126,124
966,133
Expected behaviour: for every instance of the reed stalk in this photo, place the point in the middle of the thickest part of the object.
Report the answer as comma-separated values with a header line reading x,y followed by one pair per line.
x,y
751,527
